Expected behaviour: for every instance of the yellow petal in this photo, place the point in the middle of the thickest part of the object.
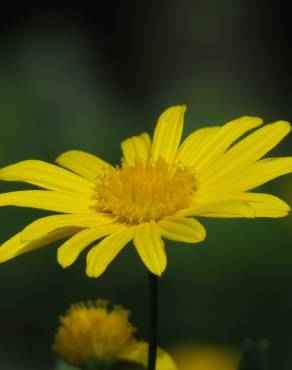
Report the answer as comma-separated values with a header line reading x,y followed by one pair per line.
x,y
167,134
195,145
265,170
248,205
10,248
135,149
182,229
247,151
15,246
253,176
82,163
150,247
147,140
139,354
100,256
47,176
70,250
46,225
224,209
265,205
205,146
48,200
224,138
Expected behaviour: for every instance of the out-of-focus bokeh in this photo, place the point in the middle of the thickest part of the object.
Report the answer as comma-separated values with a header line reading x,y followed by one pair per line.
x,y
84,78
202,357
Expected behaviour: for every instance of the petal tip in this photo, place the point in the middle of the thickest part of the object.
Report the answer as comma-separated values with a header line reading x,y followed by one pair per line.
x,y
284,124
157,272
162,269
182,107
255,118
62,261
175,108
92,274
204,235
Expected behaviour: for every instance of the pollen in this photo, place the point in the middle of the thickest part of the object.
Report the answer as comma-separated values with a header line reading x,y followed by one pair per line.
x,y
91,331
145,192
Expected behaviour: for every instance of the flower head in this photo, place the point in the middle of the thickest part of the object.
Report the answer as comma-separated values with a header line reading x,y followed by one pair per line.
x,y
158,191
92,333
91,330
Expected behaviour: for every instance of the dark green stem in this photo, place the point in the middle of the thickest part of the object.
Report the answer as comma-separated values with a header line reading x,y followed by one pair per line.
x,y
153,320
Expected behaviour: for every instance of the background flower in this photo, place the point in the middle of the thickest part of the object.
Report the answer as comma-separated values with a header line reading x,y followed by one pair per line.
x,y
206,357
91,335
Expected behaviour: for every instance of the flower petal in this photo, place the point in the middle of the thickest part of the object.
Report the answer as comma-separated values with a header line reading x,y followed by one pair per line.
x,y
48,200
100,256
205,146
47,176
150,247
139,354
85,164
70,250
136,148
224,209
182,229
145,136
46,225
195,144
224,138
265,170
248,205
247,151
253,176
265,205
167,134
15,246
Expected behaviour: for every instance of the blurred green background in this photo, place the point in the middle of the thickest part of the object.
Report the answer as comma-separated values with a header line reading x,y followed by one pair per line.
x,y
86,78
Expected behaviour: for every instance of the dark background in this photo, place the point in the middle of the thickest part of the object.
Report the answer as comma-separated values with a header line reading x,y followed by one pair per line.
x,y
86,78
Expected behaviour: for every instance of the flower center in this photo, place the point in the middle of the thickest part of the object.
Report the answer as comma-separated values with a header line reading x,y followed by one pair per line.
x,y
145,192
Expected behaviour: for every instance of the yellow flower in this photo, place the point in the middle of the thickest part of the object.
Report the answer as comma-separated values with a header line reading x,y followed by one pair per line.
x,y
195,357
90,332
156,192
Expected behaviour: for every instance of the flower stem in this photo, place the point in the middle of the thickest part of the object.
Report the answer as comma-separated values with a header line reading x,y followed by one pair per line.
x,y
153,320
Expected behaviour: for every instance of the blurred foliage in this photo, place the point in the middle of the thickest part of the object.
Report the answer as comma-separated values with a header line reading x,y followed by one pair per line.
x,y
62,365
87,81
255,355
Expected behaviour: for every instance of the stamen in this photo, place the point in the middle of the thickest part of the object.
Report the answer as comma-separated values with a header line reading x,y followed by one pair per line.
x,y
146,191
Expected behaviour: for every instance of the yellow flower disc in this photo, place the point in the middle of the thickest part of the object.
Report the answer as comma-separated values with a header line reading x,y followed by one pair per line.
x,y
145,192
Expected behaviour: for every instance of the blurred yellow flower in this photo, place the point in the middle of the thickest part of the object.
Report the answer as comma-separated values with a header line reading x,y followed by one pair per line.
x,y
194,357
90,332
156,192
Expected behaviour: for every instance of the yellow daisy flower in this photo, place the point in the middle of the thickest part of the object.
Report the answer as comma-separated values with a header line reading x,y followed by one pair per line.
x,y
155,193
90,333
